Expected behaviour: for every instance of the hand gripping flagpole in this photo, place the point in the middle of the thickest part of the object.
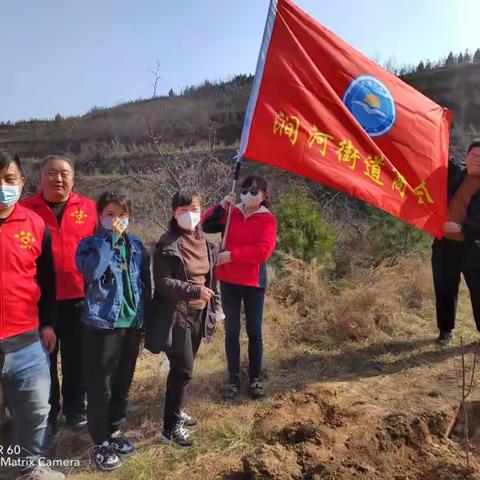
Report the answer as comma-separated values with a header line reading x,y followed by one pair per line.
x,y
252,102
236,176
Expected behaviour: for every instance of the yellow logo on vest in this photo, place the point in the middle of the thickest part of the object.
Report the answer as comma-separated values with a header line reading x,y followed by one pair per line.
x,y
79,216
26,239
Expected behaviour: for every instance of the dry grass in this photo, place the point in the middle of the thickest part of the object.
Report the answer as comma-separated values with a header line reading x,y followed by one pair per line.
x,y
315,331
371,305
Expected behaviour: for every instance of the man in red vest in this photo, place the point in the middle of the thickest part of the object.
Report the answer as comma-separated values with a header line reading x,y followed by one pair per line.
x,y
27,315
70,217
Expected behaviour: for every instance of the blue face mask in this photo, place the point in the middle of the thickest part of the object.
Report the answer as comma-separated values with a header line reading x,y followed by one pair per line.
x,y
9,196
107,222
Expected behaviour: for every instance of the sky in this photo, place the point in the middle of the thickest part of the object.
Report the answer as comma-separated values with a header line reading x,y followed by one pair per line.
x,y
66,56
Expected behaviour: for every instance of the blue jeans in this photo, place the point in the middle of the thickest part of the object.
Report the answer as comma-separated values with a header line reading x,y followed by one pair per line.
x,y
253,300
25,379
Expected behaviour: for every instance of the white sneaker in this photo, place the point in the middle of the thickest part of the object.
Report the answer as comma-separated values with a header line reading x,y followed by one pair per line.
x,y
188,421
179,435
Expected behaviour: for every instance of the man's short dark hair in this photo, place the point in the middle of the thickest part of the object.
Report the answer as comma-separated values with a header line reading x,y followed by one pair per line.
x,y
474,144
6,159
57,156
114,196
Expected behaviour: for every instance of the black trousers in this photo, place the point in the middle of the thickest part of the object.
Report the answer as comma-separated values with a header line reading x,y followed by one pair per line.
x,y
253,299
186,338
69,331
448,262
110,360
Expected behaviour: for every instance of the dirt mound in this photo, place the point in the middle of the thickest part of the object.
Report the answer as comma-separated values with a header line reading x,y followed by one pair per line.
x,y
445,471
311,436
272,462
307,416
398,430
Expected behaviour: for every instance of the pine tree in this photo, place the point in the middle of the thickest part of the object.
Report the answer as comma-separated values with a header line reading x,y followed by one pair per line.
x,y
476,56
460,58
467,58
421,67
450,60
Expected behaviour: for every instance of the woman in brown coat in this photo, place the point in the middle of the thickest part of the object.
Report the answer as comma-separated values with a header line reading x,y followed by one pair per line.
x,y
183,308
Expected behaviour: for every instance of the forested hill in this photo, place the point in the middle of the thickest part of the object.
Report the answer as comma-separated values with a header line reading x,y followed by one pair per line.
x,y
213,112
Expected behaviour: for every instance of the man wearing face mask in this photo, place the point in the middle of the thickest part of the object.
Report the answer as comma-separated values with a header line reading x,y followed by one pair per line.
x,y
70,218
458,252
242,271
27,314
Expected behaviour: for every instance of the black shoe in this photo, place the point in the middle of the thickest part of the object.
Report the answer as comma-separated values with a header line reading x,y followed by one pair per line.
x,y
105,458
256,390
445,338
178,435
120,445
76,422
188,421
232,391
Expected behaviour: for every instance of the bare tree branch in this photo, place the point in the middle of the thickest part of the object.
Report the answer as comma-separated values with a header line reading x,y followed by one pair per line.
x,y
157,79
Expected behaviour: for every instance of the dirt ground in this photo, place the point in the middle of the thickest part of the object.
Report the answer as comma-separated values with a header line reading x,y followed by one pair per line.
x,y
378,409
375,412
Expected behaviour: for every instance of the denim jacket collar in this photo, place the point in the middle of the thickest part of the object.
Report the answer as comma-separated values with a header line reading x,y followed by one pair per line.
x,y
108,234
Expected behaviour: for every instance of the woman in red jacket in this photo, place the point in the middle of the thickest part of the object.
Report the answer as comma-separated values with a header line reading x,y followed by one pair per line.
x,y
243,275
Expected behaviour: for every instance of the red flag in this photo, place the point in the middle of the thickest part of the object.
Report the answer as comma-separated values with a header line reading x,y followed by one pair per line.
x,y
321,109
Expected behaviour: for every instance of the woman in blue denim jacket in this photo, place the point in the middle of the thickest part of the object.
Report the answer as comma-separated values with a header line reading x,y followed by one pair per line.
x,y
116,272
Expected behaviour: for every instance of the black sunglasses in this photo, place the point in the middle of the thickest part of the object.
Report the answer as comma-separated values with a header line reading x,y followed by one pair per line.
x,y
253,190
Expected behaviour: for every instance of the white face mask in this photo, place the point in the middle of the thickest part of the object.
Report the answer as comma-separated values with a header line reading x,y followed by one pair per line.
x,y
250,200
189,220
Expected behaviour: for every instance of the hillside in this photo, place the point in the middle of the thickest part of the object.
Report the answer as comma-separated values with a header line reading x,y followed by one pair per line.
x,y
357,391
456,88
210,113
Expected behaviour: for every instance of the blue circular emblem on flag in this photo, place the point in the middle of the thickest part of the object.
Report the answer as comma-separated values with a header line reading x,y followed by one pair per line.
x,y
371,104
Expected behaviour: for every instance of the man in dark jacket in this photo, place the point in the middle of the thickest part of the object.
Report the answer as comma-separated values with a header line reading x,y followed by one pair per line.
x,y
459,250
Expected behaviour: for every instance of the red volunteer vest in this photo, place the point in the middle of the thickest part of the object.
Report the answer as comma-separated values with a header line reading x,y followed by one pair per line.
x,y
21,237
79,220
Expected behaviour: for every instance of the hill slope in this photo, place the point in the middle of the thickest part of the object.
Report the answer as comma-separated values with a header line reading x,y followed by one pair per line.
x,y
212,113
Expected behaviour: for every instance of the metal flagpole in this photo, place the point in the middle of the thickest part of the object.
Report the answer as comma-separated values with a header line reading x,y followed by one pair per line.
x,y
236,176
267,34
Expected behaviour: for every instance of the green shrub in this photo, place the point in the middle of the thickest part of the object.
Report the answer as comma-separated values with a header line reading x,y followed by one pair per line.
x,y
302,232
389,237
